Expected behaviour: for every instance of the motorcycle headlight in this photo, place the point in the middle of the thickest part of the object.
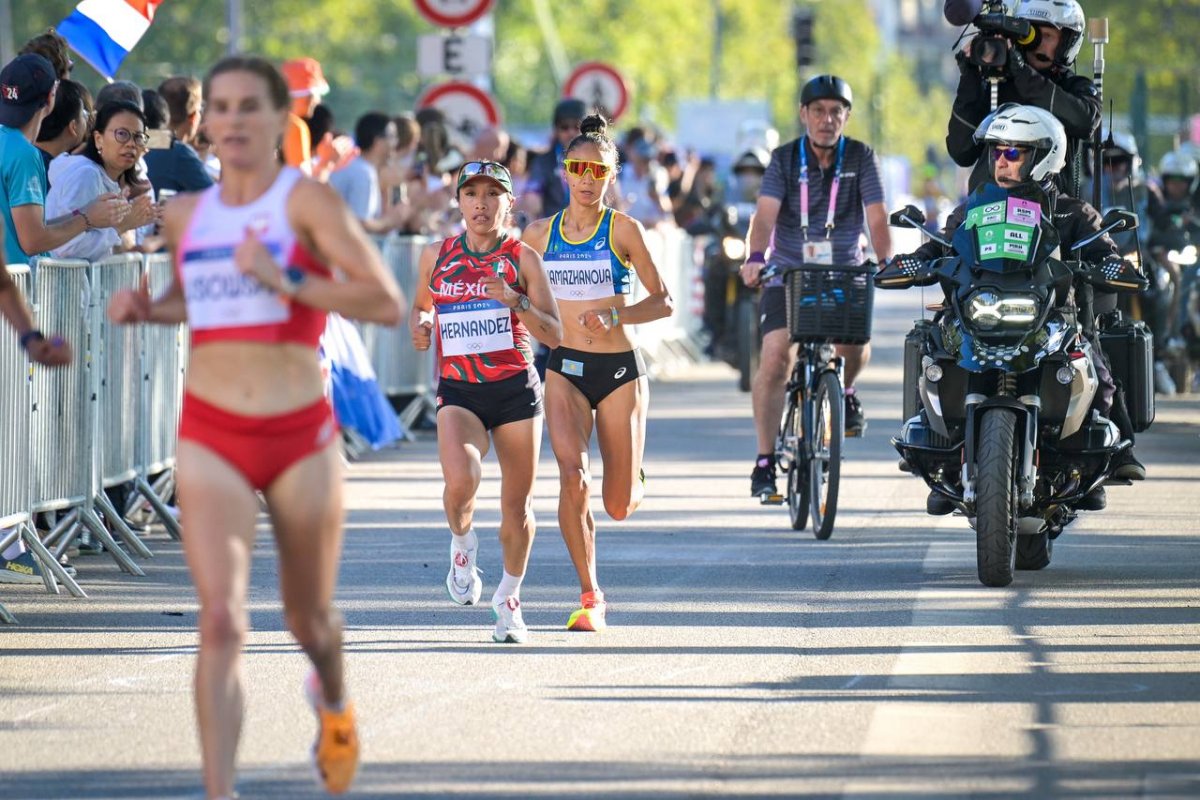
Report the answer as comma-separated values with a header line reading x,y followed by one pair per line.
x,y
988,310
735,248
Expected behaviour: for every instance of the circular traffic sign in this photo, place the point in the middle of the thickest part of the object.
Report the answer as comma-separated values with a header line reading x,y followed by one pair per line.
x,y
599,85
467,109
453,13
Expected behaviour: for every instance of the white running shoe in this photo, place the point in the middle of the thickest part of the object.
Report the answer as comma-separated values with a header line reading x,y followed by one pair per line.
x,y
510,627
463,582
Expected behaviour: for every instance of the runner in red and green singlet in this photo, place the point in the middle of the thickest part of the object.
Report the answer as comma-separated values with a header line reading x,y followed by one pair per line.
x,y
486,294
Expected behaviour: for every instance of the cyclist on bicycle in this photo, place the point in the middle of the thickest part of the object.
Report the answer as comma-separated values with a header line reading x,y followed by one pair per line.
x,y
817,191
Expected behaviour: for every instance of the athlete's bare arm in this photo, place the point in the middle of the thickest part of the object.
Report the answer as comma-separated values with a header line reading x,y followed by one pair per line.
x,y
629,242
542,318
420,321
169,308
537,234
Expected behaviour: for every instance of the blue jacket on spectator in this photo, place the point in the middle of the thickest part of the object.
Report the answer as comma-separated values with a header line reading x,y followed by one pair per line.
x,y
177,169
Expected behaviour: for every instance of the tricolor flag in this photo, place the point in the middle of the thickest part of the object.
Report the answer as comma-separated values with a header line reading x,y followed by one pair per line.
x,y
103,32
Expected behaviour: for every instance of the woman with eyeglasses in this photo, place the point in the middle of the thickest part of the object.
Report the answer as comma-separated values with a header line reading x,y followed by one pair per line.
x,y
260,259
596,378
487,294
107,165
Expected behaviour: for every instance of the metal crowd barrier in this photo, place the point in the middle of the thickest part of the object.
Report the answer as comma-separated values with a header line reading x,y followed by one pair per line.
x,y
15,494
400,370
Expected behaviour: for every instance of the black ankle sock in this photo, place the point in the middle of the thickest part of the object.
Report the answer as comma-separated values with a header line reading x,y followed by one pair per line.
x,y
765,460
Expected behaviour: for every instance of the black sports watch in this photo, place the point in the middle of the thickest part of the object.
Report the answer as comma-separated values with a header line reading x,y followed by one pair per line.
x,y
293,279
523,303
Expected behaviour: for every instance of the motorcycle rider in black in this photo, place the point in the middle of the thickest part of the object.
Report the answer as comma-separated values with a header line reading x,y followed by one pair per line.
x,y
1021,144
1038,74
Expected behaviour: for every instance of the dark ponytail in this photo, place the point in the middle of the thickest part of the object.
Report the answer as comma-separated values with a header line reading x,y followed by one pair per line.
x,y
594,130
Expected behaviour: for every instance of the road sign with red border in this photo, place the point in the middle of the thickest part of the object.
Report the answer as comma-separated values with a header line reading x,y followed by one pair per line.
x,y
453,13
468,109
599,85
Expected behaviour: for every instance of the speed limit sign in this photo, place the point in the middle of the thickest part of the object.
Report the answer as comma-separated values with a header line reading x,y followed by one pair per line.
x,y
453,13
600,85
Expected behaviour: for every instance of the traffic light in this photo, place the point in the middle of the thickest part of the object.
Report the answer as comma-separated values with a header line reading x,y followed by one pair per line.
x,y
802,33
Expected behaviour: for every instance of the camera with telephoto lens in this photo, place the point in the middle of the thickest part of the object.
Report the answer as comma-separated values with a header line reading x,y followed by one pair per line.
x,y
989,49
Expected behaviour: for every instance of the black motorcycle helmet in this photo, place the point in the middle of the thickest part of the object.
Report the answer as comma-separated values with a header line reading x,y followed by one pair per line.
x,y
827,87
755,159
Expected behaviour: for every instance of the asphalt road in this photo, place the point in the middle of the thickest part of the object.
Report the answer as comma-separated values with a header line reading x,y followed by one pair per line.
x,y
743,658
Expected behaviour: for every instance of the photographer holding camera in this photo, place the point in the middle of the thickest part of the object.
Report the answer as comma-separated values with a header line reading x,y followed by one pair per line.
x,y
1028,56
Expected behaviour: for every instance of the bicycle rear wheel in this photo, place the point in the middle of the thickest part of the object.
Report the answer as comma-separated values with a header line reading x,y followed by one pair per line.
x,y
824,446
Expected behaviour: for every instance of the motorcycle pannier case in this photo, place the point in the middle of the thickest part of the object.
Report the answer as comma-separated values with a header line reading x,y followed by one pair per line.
x,y
914,346
1129,346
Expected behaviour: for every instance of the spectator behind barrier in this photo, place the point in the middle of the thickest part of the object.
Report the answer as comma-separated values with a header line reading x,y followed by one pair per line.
x,y
52,47
28,98
546,191
358,181
126,91
319,157
67,126
396,178
156,111
107,166
178,168
643,185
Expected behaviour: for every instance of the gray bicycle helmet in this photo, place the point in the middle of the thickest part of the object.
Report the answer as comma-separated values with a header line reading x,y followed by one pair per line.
x,y
827,87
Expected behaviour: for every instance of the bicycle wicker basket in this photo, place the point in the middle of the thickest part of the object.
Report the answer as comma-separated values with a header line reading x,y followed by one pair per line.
x,y
830,303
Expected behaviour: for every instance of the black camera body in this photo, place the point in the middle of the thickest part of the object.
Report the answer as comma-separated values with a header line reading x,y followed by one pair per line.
x,y
989,49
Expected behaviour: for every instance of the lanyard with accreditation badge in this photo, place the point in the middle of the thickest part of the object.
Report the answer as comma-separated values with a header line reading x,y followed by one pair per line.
x,y
819,252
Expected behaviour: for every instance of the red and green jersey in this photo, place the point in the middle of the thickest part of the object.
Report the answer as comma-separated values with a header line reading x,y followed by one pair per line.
x,y
479,339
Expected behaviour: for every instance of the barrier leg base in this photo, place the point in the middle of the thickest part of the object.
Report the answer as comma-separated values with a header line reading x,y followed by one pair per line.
x,y
123,529
93,523
5,617
50,565
160,508
417,407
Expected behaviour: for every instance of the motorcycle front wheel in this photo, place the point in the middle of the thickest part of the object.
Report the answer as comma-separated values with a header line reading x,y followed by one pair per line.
x,y
996,498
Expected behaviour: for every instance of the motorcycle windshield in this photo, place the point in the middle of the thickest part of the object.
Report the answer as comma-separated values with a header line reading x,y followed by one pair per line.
x,y
1004,228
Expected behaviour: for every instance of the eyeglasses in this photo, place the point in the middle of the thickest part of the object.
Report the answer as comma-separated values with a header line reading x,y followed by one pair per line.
x,y
1009,153
599,169
124,136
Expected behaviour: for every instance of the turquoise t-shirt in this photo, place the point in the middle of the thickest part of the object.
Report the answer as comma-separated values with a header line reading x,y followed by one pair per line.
x,y
22,183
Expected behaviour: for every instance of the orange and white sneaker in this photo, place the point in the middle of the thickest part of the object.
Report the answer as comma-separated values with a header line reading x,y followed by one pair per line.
x,y
590,616
335,752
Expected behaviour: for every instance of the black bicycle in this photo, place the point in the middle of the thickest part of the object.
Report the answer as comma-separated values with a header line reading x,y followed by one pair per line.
x,y
825,306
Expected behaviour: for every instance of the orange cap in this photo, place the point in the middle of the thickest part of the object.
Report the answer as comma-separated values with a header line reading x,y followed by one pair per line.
x,y
304,77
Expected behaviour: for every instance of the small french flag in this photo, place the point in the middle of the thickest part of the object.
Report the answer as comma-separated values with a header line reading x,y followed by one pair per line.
x,y
103,32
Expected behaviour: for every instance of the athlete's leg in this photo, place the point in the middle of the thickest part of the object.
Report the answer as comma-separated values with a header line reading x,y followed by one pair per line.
x,y
569,417
767,389
518,445
305,504
220,508
621,434
856,357
462,444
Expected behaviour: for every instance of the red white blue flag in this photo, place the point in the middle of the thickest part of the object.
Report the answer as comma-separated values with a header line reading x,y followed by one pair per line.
x,y
103,32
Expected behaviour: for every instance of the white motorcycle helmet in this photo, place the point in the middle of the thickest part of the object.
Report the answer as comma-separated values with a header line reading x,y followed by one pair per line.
x,y
1027,126
1180,165
1066,15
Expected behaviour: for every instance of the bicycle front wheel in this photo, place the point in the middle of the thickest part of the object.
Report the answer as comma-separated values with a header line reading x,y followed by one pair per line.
x,y
825,452
797,475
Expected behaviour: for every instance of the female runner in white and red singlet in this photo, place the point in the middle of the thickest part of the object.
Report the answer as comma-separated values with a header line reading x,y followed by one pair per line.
x,y
597,377
487,293
254,280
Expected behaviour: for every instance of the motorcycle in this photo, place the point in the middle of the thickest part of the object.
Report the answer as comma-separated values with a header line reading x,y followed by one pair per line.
x,y
1173,257
1004,428
730,307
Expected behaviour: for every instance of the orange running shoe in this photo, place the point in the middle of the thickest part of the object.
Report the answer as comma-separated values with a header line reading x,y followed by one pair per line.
x,y
335,752
590,616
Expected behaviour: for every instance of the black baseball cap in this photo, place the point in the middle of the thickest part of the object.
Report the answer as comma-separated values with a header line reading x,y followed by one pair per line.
x,y
569,108
24,83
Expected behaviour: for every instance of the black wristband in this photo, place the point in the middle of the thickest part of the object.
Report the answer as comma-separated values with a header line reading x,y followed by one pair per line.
x,y
30,336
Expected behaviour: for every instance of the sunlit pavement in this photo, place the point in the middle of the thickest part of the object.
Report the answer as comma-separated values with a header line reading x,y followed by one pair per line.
x,y
743,658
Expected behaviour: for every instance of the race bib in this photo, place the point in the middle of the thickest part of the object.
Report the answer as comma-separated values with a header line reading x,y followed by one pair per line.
x,y
819,252
219,296
473,327
580,279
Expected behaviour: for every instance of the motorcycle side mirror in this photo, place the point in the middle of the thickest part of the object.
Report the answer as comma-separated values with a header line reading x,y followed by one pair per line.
x,y
908,217
1119,219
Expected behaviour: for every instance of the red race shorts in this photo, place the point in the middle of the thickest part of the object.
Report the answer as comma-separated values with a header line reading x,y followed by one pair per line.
x,y
260,448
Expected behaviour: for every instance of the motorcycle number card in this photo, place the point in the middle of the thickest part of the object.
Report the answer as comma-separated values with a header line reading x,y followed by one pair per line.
x,y
819,252
1006,228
